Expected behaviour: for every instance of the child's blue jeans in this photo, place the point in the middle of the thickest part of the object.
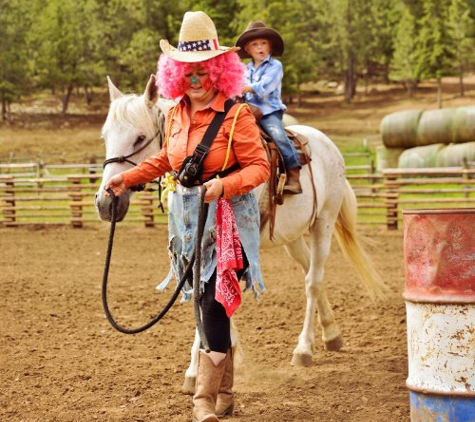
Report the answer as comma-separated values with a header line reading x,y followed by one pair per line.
x,y
272,124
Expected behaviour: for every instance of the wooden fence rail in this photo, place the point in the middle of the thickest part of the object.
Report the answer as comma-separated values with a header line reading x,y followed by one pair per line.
x,y
66,200
449,187
381,197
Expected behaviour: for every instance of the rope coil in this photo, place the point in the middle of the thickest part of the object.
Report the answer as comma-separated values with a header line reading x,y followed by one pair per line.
x,y
193,267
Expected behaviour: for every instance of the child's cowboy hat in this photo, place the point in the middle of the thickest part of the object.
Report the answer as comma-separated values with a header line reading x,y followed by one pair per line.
x,y
259,29
198,40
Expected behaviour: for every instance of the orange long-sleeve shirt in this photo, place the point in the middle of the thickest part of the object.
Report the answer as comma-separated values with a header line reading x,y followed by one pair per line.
x,y
186,134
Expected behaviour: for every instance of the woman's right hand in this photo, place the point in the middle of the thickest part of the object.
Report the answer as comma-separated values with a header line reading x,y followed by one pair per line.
x,y
116,183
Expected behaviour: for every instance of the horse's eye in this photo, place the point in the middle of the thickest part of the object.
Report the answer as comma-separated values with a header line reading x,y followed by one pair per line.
x,y
139,140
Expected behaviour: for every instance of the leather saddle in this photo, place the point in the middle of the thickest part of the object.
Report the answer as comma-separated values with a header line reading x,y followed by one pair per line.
x,y
274,189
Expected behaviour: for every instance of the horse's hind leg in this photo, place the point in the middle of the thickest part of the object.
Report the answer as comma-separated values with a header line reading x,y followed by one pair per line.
x,y
313,263
320,241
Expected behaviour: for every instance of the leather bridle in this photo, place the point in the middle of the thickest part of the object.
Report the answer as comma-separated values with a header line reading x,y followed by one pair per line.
x,y
125,158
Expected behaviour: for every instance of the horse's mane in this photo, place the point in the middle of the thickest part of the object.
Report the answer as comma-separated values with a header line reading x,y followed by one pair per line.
x,y
131,110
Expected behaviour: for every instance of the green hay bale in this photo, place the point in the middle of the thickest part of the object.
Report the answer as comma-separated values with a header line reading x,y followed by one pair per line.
x,y
436,126
420,157
399,129
387,158
454,155
464,125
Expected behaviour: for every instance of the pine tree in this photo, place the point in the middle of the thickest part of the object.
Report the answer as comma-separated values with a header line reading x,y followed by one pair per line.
x,y
461,30
434,52
404,64
14,69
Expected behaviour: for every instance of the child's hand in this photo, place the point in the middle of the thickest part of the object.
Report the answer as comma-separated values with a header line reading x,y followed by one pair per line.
x,y
247,89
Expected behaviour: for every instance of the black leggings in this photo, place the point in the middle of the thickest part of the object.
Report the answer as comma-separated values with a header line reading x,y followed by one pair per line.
x,y
216,324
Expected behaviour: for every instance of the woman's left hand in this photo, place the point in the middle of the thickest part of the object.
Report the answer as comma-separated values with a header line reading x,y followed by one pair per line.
x,y
214,189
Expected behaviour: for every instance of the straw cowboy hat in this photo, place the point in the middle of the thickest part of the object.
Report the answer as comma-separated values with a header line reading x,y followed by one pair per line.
x,y
259,29
198,40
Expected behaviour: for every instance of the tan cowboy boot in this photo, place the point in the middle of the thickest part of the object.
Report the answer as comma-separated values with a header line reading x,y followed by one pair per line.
x,y
208,381
225,402
293,183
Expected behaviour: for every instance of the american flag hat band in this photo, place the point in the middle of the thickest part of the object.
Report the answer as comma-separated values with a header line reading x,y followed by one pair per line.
x,y
199,45
197,41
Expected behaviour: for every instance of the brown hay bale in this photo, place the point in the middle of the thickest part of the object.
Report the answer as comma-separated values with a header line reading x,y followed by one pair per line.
x,y
454,155
436,126
399,129
387,158
464,124
420,157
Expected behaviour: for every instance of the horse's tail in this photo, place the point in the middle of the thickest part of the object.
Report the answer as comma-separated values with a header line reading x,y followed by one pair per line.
x,y
353,249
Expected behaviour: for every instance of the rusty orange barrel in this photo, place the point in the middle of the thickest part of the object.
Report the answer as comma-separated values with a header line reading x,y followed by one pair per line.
x,y
439,257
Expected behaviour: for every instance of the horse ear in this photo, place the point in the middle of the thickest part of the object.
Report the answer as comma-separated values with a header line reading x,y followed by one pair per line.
x,y
151,92
113,90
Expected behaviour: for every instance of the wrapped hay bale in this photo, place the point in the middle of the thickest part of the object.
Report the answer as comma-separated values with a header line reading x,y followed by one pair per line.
x,y
454,155
399,129
464,125
420,157
436,126
387,158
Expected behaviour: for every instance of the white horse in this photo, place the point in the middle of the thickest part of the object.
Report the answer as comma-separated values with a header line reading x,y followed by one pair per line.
x,y
135,121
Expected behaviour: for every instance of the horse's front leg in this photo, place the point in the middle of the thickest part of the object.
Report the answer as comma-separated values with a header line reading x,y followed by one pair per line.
x,y
190,374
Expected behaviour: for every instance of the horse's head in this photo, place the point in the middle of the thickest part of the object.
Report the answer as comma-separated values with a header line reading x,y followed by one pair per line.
x,y
132,132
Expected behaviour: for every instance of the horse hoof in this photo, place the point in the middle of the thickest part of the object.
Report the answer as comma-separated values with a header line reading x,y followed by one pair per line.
x,y
188,386
302,360
334,345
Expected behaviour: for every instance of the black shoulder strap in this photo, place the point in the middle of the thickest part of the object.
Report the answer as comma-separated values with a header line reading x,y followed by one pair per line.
x,y
203,148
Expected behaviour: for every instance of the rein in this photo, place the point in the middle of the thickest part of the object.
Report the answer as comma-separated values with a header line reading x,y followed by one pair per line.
x,y
192,267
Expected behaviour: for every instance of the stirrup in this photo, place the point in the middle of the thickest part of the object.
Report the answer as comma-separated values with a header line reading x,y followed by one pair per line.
x,y
279,192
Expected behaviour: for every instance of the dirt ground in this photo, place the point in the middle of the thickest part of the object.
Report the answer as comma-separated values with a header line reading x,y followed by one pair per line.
x,y
62,361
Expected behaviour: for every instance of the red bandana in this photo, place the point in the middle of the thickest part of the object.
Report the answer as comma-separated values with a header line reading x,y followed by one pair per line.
x,y
228,257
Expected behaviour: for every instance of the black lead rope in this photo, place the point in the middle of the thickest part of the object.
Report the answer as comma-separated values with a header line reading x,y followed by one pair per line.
x,y
202,211
194,262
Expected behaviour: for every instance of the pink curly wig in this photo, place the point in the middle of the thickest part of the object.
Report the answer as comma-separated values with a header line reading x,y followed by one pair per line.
x,y
225,71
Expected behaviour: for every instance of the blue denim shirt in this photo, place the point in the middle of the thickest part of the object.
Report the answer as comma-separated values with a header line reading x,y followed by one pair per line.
x,y
266,81
183,223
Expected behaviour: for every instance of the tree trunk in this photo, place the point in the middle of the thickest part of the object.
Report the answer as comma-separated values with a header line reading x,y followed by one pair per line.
x,y
88,94
439,92
65,99
461,85
410,87
350,84
4,108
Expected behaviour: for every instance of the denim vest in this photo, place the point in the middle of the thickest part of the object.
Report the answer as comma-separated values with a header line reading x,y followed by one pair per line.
x,y
182,229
